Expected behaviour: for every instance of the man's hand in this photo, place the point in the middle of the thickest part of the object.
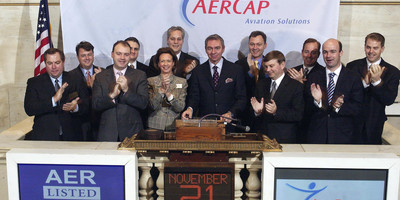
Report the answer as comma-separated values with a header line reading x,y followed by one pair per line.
x,y
115,91
297,75
187,114
190,67
252,65
71,106
229,115
376,72
316,92
92,78
60,92
367,78
123,82
257,106
338,102
271,107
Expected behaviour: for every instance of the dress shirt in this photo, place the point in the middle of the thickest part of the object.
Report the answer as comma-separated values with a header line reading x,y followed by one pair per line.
x,y
277,82
54,84
219,67
116,71
133,65
335,78
85,70
178,55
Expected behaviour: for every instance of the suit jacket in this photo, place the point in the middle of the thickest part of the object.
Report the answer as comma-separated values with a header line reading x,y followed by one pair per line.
x,y
376,98
154,70
290,105
250,81
316,68
327,125
307,106
90,120
164,112
120,118
247,117
143,67
230,94
48,119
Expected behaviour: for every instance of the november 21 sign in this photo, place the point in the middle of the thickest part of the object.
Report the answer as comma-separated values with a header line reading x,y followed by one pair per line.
x,y
89,182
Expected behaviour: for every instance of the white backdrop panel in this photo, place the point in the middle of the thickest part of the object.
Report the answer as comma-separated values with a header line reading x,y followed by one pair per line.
x,y
287,24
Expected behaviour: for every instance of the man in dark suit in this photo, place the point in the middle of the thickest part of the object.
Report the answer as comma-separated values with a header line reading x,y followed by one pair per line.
x,y
381,81
217,85
186,63
56,99
133,63
253,72
135,47
337,97
278,102
119,93
310,53
86,71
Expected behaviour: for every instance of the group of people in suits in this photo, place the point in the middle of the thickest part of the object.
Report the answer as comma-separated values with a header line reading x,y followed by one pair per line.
x,y
308,103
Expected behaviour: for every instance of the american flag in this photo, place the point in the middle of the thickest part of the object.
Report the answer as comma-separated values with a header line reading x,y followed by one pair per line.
x,y
43,40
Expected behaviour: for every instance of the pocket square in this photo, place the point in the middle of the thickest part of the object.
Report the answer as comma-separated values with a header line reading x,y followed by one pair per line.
x,y
228,80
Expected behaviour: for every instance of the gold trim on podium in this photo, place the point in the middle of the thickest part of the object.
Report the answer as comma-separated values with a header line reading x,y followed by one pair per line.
x,y
234,146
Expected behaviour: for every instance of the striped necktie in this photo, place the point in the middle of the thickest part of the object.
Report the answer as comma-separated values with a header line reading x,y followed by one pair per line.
x,y
331,87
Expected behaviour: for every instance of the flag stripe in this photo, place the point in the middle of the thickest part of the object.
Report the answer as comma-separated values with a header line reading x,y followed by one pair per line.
x,y
43,39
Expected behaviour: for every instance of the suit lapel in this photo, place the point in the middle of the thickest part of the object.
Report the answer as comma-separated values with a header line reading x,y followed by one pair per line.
x,y
207,72
224,74
49,84
267,90
281,88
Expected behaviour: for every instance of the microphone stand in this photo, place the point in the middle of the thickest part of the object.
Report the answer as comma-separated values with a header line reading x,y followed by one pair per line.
x,y
215,115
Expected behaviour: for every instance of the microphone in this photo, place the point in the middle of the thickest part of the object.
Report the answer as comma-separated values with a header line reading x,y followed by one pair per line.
x,y
245,128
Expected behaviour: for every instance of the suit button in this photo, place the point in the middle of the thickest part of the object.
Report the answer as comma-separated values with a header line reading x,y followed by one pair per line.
x,y
329,115
216,105
216,93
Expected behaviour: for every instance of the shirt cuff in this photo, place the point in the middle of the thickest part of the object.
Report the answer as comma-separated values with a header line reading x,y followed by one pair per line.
x,y
377,83
170,97
319,105
76,109
53,102
365,84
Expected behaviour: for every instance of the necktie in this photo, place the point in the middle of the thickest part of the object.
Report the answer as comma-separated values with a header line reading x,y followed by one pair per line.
x,y
273,89
215,76
88,78
119,73
331,87
56,85
305,73
256,70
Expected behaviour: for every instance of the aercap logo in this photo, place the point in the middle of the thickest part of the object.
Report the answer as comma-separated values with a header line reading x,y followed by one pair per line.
x,y
223,7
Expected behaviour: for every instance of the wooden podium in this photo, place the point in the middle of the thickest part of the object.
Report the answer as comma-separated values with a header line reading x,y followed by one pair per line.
x,y
208,130
209,137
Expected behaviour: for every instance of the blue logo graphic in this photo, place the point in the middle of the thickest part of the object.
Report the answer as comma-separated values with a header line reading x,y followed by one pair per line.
x,y
311,190
184,7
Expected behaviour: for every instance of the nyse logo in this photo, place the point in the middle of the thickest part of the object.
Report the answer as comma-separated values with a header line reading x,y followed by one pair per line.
x,y
78,178
311,190
228,7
